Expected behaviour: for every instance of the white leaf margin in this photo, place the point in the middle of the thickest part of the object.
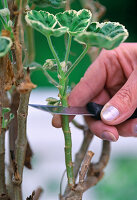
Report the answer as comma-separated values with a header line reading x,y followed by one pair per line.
x,y
48,29
125,33
30,22
77,13
8,46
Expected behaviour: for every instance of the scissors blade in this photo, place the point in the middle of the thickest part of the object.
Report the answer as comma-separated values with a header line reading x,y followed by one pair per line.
x,y
60,110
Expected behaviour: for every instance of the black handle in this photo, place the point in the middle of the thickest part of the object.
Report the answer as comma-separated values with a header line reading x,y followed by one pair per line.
x,y
95,109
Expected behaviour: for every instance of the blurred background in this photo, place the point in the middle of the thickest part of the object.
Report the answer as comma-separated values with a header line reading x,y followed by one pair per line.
x,y
120,180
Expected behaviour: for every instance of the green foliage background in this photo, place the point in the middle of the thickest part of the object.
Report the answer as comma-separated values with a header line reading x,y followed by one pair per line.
x,y
123,11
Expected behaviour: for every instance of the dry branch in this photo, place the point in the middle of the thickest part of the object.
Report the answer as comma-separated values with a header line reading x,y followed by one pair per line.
x,y
82,151
38,193
21,142
3,191
103,161
3,64
85,166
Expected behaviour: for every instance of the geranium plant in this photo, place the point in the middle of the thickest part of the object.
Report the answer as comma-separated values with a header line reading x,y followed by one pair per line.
x,y
15,66
79,25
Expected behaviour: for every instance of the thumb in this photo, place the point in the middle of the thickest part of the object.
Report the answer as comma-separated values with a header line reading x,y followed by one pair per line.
x,y
122,105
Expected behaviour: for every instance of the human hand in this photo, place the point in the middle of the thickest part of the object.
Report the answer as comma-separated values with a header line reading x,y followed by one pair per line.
x,y
111,81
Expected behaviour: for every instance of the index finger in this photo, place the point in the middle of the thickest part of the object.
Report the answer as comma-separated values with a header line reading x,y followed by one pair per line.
x,y
90,85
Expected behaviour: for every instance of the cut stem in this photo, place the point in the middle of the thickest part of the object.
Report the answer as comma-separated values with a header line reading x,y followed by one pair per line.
x,y
77,61
67,133
68,146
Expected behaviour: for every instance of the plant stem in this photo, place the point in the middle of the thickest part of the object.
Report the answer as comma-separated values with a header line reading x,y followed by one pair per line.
x,y
82,151
67,133
65,119
3,64
21,142
50,79
3,21
68,146
54,53
6,6
2,164
30,43
68,49
77,61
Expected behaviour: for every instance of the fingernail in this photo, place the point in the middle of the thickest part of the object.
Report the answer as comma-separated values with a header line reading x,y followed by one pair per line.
x,y
108,136
110,113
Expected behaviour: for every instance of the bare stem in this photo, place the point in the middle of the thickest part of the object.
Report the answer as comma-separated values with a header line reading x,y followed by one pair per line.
x,y
82,151
30,44
21,142
3,192
2,164
78,125
38,193
104,158
85,166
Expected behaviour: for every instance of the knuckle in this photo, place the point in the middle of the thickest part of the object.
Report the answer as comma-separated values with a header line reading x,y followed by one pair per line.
x,y
125,97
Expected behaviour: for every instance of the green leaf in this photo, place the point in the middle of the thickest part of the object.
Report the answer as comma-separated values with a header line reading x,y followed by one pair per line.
x,y
106,35
45,3
76,22
53,101
44,22
5,45
5,110
4,123
11,117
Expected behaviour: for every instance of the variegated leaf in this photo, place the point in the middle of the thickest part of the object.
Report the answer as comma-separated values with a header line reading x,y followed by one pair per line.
x,y
44,22
106,35
76,22
5,45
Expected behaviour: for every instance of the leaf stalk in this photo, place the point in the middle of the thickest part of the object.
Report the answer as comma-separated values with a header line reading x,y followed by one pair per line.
x,y
77,61
68,49
54,54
